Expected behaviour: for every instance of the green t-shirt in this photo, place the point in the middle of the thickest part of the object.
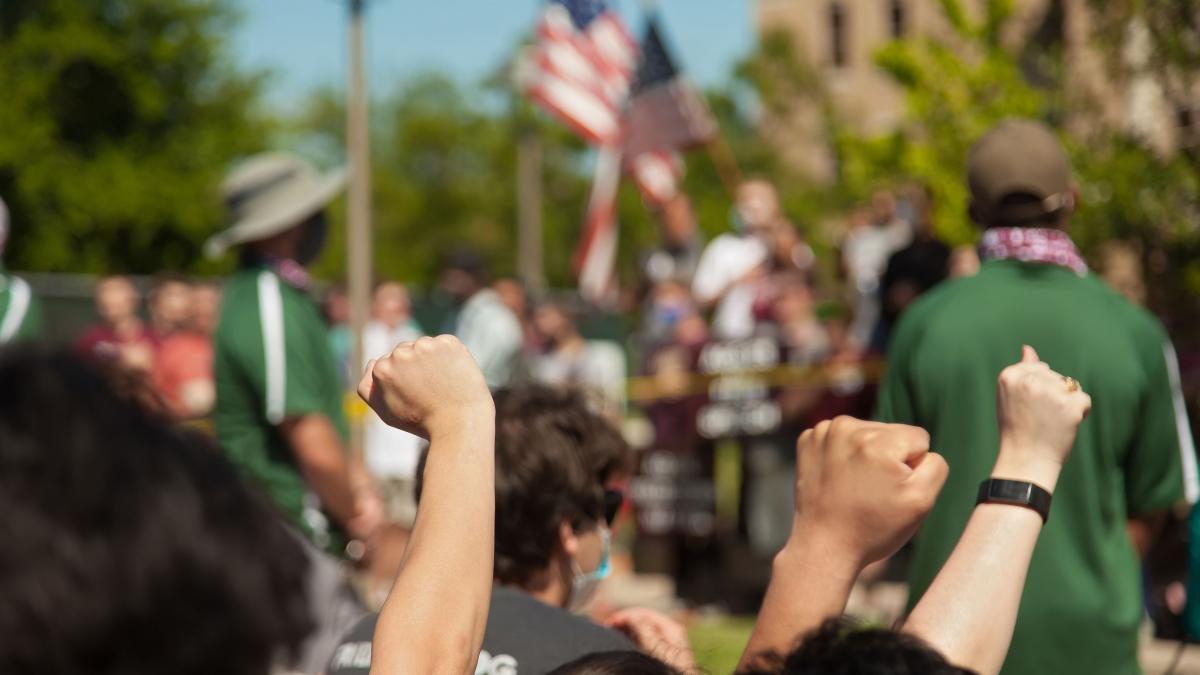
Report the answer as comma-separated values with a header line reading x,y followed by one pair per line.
x,y
1134,454
20,311
272,361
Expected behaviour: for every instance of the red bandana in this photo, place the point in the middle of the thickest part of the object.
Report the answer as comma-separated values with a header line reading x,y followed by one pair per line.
x,y
1036,245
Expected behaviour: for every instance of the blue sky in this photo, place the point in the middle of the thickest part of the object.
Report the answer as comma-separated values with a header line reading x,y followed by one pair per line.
x,y
303,41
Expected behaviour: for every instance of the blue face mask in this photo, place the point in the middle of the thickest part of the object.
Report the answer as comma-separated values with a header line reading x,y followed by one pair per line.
x,y
584,585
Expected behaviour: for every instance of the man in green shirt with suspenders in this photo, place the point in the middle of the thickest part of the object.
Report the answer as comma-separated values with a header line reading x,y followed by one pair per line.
x,y
20,312
279,402
1133,457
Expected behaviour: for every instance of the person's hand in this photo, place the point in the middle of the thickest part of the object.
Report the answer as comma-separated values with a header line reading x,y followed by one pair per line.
x,y
368,516
754,274
657,635
863,488
428,387
1039,412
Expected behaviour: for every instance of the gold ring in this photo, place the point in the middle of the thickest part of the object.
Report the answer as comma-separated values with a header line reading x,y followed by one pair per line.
x,y
1072,383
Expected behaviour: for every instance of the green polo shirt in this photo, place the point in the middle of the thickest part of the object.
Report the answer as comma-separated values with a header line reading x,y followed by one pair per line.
x,y
1134,455
20,311
272,361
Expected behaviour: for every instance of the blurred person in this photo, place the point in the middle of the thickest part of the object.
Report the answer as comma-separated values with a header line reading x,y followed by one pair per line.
x,y
514,296
678,252
874,235
789,251
665,305
205,307
169,304
121,335
863,488
279,412
1134,460
20,310
912,270
185,570
391,454
594,367
554,458
134,547
794,314
729,271
335,309
885,215
183,366
484,324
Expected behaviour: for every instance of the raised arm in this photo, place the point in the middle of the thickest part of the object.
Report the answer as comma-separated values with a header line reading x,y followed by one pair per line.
x,y
969,611
862,488
434,618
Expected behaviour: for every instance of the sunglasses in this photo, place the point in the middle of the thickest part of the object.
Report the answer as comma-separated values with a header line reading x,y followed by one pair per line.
x,y
613,499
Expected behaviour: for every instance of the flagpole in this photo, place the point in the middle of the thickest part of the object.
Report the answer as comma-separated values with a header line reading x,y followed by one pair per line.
x,y
724,162
358,247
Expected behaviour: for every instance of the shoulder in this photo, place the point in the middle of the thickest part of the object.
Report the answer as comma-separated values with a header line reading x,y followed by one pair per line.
x,y
934,302
517,611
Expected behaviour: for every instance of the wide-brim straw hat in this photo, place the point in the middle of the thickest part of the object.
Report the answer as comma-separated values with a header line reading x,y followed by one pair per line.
x,y
271,193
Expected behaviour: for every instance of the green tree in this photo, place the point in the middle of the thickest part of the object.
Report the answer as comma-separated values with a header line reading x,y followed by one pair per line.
x,y
444,175
119,118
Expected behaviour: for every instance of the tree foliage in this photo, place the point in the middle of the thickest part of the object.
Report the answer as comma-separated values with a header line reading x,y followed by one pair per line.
x,y
119,117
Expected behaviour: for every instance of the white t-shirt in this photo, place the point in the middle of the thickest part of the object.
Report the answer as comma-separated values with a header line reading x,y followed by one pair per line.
x,y
388,451
493,335
728,258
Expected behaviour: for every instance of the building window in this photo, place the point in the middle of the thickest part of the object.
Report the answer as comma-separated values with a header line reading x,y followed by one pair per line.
x,y
899,19
837,33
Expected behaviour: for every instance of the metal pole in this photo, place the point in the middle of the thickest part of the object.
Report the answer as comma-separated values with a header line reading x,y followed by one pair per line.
x,y
358,261
529,209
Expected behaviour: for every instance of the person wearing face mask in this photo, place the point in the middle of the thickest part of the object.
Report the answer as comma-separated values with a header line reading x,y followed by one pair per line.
x,y
554,459
278,412
731,268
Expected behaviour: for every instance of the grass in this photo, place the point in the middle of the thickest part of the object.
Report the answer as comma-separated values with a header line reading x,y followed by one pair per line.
x,y
718,642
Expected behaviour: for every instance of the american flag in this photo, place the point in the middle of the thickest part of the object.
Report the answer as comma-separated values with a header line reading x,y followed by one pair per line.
x,y
581,67
657,174
580,72
666,111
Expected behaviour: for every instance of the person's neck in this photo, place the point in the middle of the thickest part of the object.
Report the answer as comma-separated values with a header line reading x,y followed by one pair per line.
x,y
128,328
548,587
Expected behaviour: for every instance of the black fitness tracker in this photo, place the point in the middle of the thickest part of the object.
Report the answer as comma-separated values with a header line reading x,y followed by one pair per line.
x,y
1017,493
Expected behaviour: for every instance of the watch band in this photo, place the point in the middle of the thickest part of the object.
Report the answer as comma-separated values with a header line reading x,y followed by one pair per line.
x,y
1017,493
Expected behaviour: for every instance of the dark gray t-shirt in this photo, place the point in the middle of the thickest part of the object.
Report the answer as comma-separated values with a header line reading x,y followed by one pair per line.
x,y
524,637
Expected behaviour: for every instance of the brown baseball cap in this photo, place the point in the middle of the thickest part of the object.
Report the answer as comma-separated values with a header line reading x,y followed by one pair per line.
x,y
1018,173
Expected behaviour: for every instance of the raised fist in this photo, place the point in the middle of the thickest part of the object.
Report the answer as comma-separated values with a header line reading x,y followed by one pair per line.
x,y
426,387
1039,412
864,487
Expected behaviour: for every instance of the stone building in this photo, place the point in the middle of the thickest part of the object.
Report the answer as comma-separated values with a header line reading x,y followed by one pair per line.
x,y
840,37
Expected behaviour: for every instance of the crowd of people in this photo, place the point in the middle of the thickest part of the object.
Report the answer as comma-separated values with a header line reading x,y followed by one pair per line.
x,y
142,541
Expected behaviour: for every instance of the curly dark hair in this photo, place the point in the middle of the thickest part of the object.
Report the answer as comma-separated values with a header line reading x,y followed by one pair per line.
x,y
553,457
842,646
131,547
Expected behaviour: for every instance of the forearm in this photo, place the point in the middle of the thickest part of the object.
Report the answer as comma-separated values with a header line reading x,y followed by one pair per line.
x,y
322,458
1143,530
810,582
434,619
969,610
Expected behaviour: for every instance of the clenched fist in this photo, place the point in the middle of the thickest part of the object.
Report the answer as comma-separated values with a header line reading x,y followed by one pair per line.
x,y
1039,412
428,387
864,487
